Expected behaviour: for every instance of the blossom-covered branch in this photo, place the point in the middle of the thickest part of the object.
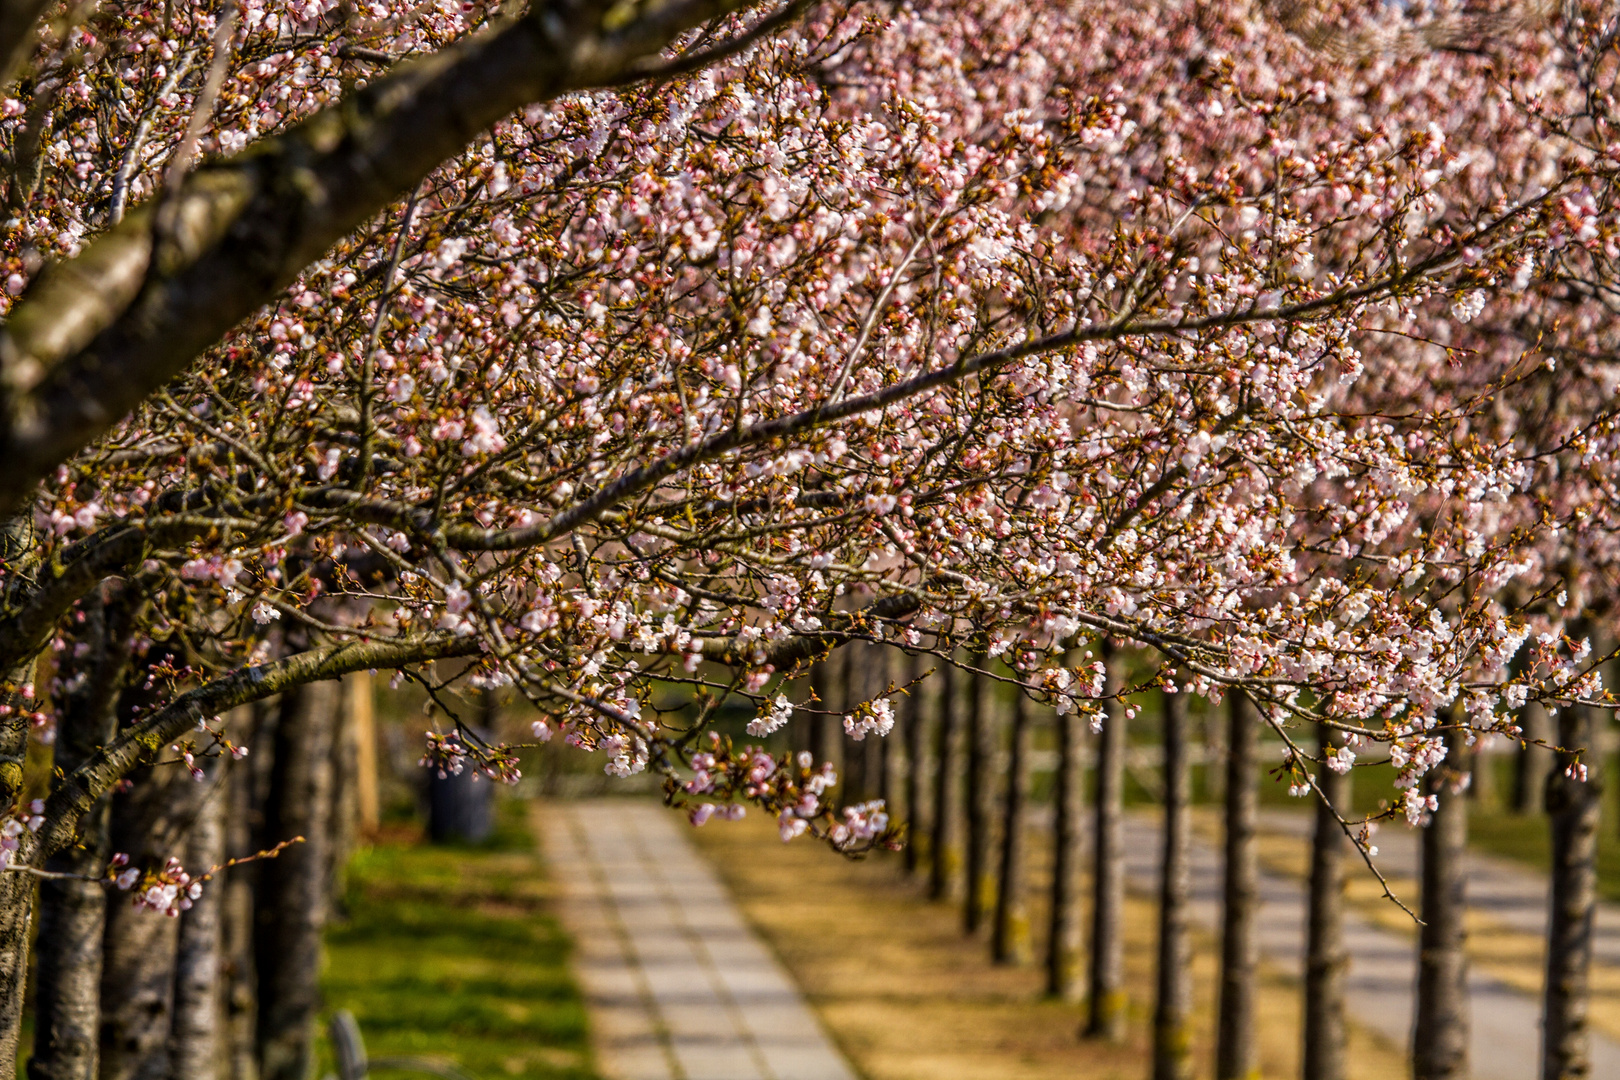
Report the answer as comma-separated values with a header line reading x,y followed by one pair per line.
x,y
104,329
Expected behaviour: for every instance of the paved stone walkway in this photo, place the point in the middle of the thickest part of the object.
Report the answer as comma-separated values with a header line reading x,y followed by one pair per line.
x,y
1505,1034
677,985
1507,892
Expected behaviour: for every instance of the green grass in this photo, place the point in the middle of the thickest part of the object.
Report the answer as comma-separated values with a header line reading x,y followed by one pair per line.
x,y
451,954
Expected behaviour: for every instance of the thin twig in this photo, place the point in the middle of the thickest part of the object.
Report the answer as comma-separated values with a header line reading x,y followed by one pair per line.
x,y
201,112
368,361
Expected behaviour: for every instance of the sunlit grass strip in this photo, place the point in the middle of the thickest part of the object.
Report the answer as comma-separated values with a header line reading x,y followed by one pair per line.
x,y
453,954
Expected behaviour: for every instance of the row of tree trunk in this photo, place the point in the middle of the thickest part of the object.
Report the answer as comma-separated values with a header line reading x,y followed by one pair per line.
x,y
228,989
964,778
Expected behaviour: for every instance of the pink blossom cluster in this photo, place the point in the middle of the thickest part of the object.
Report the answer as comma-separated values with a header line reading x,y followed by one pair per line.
x,y
448,753
12,830
169,890
863,824
870,718
701,813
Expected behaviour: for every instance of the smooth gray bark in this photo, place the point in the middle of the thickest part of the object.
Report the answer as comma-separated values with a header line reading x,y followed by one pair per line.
x,y
1172,1011
1105,991
1236,1052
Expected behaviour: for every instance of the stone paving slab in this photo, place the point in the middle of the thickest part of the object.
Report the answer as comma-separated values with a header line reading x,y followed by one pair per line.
x,y
676,984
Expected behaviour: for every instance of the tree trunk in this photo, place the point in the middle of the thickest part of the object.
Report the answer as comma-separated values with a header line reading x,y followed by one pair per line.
x,y
801,729
247,793
361,700
137,980
979,899
826,725
879,762
67,1006
19,550
945,859
1440,1036
1572,807
1010,944
857,786
1214,772
196,1043
1483,787
1326,960
72,913
345,828
1172,1012
913,718
1236,1056
292,903
880,749
1063,927
16,911
1105,1012
16,890
1532,763
868,673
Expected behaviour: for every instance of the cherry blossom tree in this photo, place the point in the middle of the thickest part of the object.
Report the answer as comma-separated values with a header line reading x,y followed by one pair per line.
x,y
599,351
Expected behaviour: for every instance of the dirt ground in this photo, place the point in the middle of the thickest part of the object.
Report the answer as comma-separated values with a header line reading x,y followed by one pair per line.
x,y
908,997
